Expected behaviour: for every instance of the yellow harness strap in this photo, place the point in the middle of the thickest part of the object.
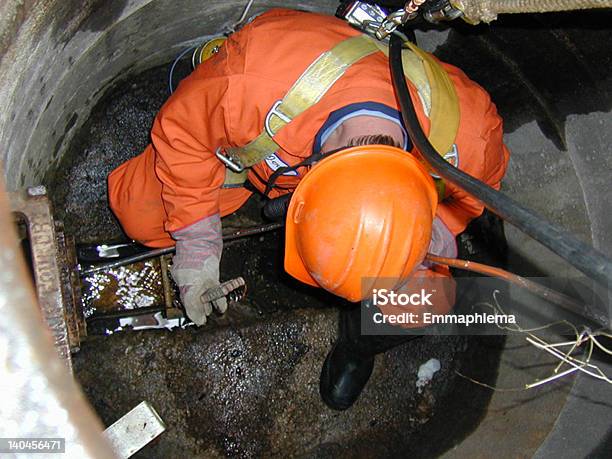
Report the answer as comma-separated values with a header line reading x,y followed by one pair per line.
x,y
234,179
437,93
305,92
445,114
433,85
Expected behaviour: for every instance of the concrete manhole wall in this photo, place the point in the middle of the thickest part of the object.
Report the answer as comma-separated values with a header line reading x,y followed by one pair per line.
x,y
550,78
59,57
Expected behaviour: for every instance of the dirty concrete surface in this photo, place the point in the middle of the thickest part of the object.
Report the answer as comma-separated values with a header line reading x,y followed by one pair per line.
x,y
246,384
117,130
532,53
250,389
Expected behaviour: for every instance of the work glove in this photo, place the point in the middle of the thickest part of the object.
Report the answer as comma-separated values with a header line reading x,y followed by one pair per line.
x,y
195,267
434,278
443,243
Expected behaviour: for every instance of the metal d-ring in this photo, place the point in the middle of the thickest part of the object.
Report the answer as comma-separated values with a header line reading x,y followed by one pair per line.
x,y
229,162
275,111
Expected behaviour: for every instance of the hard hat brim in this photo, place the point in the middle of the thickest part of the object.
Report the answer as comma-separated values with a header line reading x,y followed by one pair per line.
x,y
294,266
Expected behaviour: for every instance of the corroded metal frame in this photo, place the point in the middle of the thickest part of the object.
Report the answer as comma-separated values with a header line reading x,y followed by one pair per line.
x,y
53,266
36,382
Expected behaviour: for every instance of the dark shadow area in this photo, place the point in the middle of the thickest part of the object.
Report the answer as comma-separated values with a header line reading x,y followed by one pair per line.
x,y
538,67
462,410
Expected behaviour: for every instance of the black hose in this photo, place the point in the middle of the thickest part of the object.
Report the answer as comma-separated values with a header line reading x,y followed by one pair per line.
x,y
582,256
276,209
142,256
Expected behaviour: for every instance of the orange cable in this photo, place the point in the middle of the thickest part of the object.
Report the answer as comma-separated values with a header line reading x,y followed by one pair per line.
x,y
548,294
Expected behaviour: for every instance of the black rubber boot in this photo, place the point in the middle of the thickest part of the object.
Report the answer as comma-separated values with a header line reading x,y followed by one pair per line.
x,y
343,377
350,362
483,241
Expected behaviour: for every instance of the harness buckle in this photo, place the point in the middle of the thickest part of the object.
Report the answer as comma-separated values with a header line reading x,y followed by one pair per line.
x,y
275,111
451,157
231,163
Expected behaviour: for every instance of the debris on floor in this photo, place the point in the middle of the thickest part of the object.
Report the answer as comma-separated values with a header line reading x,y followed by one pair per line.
x,y
246,384
426,373
135,430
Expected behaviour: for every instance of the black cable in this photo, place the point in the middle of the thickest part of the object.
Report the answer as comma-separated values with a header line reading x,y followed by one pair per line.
x,y
309,161
577,253
276,209
249,231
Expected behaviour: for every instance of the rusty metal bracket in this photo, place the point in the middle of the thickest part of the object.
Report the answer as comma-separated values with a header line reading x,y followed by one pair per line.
x,y
40,398
71,288
54,269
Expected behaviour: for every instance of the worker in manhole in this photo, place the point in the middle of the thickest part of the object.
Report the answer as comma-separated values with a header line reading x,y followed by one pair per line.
x,y
304,103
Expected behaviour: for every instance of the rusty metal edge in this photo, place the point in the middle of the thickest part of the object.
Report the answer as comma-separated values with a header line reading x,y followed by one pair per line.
x,y
40,383
33,205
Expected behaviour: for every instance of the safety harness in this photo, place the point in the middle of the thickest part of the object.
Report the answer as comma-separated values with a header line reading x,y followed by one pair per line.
x,y
433,85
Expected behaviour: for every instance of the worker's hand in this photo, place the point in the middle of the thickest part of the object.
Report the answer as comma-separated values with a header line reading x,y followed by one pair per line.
x,y
193,283
195,266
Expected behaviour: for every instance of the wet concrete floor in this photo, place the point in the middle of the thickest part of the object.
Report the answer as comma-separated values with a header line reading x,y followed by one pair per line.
x,y
246,385
250,389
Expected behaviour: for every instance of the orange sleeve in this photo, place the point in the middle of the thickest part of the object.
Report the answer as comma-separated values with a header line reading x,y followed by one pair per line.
x,y
459,208
185,135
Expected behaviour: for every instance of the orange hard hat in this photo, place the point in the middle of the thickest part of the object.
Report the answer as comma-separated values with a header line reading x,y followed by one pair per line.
x,y
362,213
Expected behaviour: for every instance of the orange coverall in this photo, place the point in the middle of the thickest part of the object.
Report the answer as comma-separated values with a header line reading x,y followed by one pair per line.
x,y
177,180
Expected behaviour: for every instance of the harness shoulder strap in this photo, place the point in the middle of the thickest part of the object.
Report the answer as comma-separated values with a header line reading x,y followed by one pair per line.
x,y
437,93
431,80
234,179
309,88
445,113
